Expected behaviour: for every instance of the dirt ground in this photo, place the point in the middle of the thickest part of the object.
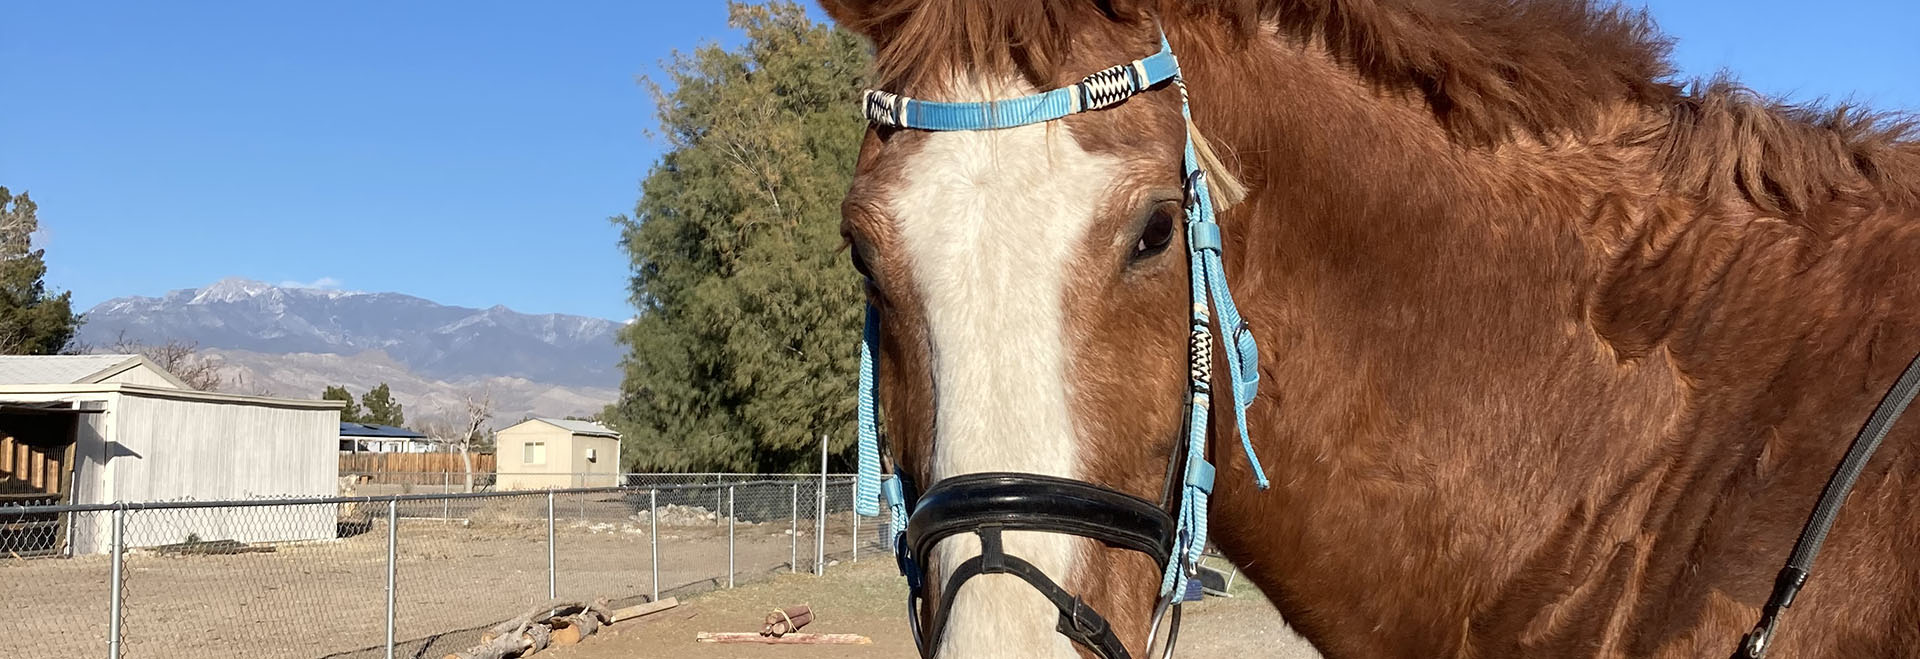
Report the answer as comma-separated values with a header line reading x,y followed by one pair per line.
x,y
462,568
328,598
866,599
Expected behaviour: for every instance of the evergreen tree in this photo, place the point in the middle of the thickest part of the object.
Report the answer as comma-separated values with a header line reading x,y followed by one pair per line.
x,y
745,347
380,407
32,321
349,414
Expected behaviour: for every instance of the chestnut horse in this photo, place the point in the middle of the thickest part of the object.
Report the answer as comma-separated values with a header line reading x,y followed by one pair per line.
x,y
1558,354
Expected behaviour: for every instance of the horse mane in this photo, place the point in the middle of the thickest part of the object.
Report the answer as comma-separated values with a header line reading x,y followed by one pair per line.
x,y
1723,140
1490,71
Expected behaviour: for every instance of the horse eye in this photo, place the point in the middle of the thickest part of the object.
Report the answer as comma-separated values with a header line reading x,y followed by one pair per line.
x,y
1158,233
860,264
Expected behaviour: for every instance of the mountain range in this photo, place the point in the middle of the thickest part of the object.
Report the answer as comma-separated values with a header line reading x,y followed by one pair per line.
x,y
293,341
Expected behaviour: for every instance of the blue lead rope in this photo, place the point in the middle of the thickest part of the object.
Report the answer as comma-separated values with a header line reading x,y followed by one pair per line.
x,y
867,482
1210,296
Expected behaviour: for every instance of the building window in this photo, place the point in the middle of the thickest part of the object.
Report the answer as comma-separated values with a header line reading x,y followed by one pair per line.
x,y
534,453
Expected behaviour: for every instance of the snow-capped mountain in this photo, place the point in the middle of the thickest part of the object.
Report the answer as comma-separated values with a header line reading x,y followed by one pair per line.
x,y
429,339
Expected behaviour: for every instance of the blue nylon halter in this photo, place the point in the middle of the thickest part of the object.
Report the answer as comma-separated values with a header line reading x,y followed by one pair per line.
x,y
1210,295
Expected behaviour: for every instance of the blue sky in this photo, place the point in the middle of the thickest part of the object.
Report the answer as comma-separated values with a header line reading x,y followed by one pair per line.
x,y
470,152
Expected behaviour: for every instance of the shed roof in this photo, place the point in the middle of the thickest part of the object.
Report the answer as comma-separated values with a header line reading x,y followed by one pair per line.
x,y
89,394
351,429
579,427
74,369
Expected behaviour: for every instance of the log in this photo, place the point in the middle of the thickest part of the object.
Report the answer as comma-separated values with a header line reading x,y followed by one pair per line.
x,y
526,634
539,614
565,633
637,610
501,647
799,638
575,628
541,637
558,622
785,621
599,609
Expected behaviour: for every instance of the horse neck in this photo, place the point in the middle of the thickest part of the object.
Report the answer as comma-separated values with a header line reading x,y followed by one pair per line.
x,y
1430,376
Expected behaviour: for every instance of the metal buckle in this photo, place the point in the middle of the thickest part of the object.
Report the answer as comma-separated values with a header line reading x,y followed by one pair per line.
x,y
1085,624
1192,186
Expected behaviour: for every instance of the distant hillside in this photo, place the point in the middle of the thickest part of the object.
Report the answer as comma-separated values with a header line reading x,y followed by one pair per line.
x,y
439,342
305,375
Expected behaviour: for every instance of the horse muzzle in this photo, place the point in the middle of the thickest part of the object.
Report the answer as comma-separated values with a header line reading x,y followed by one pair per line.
x,y
987,504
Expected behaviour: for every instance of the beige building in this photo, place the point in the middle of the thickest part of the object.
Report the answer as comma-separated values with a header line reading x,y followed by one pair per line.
x,y
538,454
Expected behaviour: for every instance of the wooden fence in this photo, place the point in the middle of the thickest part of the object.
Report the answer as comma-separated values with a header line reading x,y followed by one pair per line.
x,y
412,463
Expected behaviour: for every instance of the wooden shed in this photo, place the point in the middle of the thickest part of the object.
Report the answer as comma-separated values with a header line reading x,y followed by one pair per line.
x,y
137,434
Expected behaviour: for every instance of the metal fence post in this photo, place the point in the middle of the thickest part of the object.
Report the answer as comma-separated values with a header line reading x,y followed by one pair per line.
x,y
793,534
446,487
113,605
653,536
393,556
732,518
856,524
552,575
820,520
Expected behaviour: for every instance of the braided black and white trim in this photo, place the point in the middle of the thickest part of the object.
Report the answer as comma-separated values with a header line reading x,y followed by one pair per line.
x,y
1200,358
884,108
1110,86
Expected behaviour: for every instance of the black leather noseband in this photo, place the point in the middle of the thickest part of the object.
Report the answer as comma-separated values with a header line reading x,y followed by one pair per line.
x,y
989,503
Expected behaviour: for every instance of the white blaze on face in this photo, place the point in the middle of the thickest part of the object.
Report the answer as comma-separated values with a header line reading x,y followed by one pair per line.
x,y
991,222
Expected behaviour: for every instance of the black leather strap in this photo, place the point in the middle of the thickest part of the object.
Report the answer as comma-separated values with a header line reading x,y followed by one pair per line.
x,y
988,504
1031,502
1793,577
1078,622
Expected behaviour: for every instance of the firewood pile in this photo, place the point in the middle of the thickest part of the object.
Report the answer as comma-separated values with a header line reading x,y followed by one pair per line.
x,y
552,624
784,621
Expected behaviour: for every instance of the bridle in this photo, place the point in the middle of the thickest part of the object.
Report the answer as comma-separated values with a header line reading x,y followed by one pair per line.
x,y
1173,532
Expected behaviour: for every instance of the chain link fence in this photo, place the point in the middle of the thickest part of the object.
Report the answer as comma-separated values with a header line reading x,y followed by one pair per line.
x,y
396,575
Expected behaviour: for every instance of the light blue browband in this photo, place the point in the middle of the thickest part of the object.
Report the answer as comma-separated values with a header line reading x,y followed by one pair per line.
x,y
1209,284
1102,89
